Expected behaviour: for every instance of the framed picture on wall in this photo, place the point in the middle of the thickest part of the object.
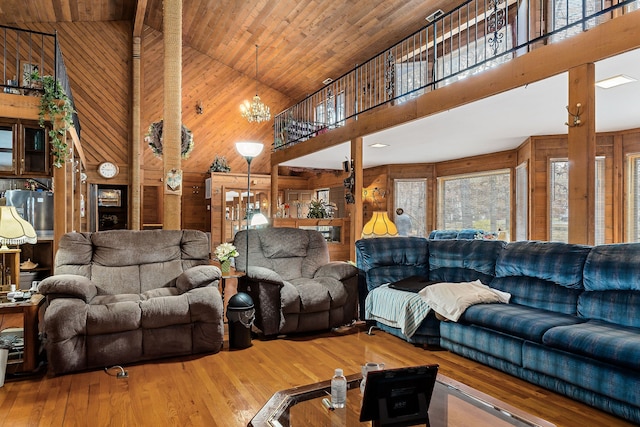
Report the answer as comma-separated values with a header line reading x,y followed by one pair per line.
x,y
27,68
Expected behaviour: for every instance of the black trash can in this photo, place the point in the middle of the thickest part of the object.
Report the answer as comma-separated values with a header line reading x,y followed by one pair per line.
x,y
240,314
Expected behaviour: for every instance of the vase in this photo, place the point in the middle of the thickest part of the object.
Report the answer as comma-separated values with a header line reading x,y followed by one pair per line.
x,y
225,266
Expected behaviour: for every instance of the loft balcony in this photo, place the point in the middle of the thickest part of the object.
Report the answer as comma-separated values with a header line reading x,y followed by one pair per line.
x,y
25,51
476,36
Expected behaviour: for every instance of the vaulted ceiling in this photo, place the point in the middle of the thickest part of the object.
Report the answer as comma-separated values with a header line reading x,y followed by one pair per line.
x,y
301,43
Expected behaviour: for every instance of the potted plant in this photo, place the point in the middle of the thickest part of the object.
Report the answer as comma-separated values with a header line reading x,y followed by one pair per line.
x,y
317,209
220,165
225,252
55,109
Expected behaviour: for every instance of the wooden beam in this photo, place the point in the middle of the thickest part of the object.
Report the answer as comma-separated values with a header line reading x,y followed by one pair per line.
x,y
582,154
273,206
171,130
356,208
138,19
135,196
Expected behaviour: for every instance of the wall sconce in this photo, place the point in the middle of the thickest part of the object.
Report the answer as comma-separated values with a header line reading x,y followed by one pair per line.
x,y
576,117
199,107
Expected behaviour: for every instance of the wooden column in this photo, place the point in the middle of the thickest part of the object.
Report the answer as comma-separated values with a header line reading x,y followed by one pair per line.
x,y
136,149
172,28
356,208
582,154
60,205
273,205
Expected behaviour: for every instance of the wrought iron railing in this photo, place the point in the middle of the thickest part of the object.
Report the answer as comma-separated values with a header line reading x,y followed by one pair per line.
x,y
475,36
26,51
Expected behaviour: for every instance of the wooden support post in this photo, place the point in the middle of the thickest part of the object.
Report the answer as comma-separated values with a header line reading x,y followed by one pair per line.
x,y
135,196
172,125
273,205
356,208
582,154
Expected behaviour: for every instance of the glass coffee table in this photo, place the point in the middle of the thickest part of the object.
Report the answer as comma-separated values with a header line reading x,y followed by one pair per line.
x,y
452,404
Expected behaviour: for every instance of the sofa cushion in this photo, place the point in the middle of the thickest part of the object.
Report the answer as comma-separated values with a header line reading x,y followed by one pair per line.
x,y
384,251
538,293
275,246
463,260
313,295
554,262
619,307
202,275
599,340
122,247
113,318
517,320
613,267
387,260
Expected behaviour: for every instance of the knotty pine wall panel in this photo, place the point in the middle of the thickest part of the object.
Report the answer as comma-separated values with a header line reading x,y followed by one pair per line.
x,y
97,57
220,90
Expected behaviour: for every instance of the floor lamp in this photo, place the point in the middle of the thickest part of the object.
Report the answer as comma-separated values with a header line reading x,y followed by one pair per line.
x,y
248,150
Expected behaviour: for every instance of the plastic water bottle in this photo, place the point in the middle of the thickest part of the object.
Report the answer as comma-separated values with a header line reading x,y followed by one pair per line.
x,y
338,389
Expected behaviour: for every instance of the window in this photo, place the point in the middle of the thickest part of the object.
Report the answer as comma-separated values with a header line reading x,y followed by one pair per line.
x,y
559,201
411,196
522,202
633,216
479,201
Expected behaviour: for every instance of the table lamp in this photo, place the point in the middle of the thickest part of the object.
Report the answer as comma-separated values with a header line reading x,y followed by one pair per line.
x,y
379,226
13,229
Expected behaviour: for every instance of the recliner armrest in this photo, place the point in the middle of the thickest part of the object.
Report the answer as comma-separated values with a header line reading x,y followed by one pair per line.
x,y
264,274
68,285
198,277
339,270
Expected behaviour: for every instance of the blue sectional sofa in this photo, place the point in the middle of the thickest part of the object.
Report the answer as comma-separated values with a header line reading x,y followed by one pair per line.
x,y
572,324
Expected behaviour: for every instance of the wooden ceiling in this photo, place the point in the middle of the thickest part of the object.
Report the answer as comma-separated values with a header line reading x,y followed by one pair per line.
x,y
301,43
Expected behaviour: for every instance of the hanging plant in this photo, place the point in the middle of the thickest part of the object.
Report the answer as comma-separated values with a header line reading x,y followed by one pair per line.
x,y
154,139
55,103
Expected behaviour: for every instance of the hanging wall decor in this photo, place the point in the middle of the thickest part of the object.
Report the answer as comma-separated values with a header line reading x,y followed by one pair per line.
x,y
154,139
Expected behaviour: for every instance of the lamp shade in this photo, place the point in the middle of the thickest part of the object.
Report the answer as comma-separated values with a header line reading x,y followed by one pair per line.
x,y
379,226
13,229
249,149
259,219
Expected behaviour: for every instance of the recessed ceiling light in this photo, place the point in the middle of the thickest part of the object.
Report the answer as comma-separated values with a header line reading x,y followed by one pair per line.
x,y
378,145
327,81
615,81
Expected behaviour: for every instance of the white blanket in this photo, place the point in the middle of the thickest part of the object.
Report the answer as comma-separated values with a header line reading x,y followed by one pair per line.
x,y
450,300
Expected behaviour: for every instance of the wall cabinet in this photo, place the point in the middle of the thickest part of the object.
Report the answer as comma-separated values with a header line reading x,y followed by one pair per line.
x,y
230,204
24,149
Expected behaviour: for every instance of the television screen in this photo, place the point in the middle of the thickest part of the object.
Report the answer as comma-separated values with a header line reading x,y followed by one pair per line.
x,y
396,397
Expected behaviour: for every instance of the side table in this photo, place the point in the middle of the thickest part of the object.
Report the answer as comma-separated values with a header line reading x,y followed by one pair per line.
x,y
232,274
28,310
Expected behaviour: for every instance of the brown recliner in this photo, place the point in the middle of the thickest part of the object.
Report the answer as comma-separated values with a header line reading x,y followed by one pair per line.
x,y
124,296
294,286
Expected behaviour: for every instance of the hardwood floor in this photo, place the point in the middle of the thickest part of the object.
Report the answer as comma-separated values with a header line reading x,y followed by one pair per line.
x,y
228,388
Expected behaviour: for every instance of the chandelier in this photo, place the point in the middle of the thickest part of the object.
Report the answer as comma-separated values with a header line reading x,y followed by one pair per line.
x,y
255,111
